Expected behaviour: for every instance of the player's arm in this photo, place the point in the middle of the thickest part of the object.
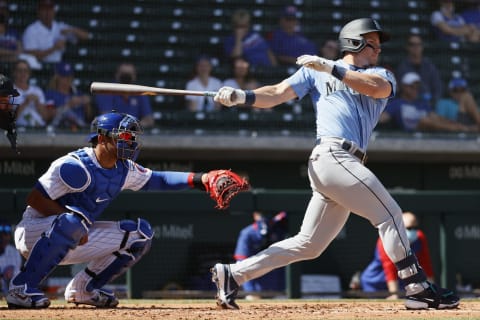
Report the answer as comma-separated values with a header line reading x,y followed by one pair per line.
x,y
65,175
171,180
42,203
140,178
263,97
371,85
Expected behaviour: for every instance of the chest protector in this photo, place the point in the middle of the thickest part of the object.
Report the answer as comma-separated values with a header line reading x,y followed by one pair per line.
x,y
104,186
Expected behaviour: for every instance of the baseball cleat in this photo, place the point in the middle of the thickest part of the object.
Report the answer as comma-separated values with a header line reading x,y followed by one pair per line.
x,y
432,297
100,298
227,288
22,297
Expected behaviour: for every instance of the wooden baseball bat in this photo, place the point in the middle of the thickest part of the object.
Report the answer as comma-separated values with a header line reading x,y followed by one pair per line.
x,y
139,90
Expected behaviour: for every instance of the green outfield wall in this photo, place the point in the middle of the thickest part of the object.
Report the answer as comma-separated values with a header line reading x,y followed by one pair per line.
x,y
190,235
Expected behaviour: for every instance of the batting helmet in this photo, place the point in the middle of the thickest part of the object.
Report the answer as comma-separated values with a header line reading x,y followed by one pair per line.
x,y
6,87
351,36
123,128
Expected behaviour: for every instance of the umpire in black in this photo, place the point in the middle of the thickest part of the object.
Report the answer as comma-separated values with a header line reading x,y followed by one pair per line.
x,y
8,110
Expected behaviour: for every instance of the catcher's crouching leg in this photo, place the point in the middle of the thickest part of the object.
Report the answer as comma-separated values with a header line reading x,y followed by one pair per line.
x,y
86,286
66,232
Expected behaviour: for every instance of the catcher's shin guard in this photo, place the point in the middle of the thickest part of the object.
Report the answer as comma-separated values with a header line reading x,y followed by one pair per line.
x,y
65,234
130,253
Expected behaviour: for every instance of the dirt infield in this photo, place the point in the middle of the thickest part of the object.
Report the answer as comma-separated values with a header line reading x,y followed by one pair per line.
x,y
265,309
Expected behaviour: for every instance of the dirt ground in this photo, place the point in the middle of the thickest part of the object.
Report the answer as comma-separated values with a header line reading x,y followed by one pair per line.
x,y
265,309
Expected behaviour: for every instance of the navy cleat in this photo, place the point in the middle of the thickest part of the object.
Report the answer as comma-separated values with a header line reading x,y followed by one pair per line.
x,y
432,297
22,297
227,288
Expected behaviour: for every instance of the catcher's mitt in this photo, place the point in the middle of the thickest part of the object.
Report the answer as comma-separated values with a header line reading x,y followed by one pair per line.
x,y
223,185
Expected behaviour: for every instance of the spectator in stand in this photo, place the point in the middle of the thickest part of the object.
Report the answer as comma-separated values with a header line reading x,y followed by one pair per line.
x,y
137,106
450,26
71,108
253,239
32,110
10,259
330,49
461,106
10,44
472,15
381,274
430,85
247,43
287,42
409,113
47,38
202,81
242,77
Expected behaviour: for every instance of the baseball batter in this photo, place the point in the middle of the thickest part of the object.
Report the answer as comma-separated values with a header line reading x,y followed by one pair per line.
x,y
61,224
348,96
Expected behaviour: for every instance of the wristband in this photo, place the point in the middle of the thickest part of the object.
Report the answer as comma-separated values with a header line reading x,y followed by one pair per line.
x,y
197,181
339,72
250,97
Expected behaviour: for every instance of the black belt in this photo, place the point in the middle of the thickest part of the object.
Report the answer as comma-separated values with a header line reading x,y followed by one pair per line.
x,y
348,146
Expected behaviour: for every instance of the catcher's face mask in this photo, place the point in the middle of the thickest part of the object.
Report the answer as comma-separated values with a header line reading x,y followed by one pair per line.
x,y
128,146
124,129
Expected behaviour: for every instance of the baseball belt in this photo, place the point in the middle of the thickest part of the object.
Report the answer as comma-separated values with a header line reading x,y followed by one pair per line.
x,y
346,145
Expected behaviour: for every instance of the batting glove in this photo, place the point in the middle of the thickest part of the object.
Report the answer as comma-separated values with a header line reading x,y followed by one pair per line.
x,y
229,96
316,63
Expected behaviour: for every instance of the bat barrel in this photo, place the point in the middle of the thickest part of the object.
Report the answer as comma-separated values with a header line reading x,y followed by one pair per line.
x,y
133,89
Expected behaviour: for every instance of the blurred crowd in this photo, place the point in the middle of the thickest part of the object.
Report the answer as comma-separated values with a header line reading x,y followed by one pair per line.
x,y
424,101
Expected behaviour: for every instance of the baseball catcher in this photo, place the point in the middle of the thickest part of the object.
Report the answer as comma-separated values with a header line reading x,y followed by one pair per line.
x,y
8,110
61,226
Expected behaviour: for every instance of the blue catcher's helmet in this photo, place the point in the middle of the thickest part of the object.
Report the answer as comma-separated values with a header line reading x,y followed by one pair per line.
x,y
123,128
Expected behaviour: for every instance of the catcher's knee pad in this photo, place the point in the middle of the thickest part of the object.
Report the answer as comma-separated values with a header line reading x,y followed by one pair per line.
x,y
65,234
139,244
135,244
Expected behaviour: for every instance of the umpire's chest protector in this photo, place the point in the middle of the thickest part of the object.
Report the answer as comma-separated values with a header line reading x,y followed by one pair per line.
x,y
104,186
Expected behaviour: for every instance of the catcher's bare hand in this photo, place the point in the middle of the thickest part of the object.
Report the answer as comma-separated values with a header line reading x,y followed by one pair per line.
x,y
316,63
229,96
223,185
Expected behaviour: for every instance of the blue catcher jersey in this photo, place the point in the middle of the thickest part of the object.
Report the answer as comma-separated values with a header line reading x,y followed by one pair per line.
x,y
341,111
77,180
